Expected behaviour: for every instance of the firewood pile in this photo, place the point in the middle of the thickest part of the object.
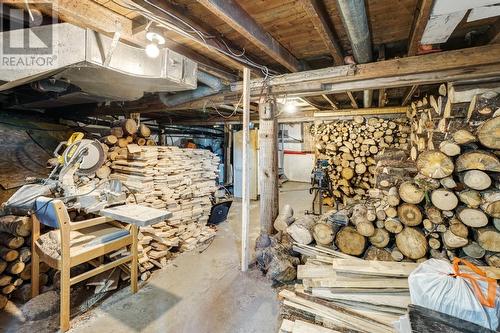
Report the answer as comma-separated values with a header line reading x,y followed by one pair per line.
x,y
179,180
350,148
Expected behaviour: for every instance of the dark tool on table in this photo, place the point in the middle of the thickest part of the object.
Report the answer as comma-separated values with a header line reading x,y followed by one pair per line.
x,y
321,186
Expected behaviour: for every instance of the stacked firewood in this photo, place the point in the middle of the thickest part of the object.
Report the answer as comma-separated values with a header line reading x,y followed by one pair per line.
x,y
15,255
350,148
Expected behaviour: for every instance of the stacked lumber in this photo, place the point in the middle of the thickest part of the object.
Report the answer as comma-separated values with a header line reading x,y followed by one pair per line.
x,y
15,255
350,147
179,180
340,292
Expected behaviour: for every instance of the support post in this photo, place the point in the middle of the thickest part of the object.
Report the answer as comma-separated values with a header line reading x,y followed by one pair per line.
x,y
245,218
268,170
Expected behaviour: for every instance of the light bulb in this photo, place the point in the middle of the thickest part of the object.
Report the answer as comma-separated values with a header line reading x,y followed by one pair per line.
x,y
152,50
290,108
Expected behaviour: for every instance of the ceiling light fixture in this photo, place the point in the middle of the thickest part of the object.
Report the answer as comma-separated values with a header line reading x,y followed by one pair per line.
x,y
155,38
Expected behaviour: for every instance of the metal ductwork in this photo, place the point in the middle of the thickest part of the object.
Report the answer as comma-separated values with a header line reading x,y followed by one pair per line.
x,y
353,14
99,66
211,85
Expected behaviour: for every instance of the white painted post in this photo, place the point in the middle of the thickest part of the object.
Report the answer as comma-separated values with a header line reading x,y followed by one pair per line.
x,y
245,218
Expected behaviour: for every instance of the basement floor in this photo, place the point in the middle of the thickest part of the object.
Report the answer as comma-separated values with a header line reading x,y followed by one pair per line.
x,y
197,293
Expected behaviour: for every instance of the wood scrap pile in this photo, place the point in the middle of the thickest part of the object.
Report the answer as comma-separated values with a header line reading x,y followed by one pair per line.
x,y
338,292
350,147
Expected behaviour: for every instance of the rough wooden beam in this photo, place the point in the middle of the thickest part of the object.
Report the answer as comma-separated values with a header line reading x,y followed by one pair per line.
x,y
354,104
420,19
362,112
321,22
408,95
235,16
330,101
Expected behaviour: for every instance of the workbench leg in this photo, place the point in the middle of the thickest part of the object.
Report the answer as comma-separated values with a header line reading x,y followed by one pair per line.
x,y
134,264
65,294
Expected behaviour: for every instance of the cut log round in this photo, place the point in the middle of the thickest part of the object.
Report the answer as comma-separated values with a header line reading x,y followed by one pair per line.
x,y
474,250
129,126
434,214
347,173
323,234
391,212
122,142
103,172
15,267
463,137
492,259
374,253
409,214
396,255
15,225
434,243
411,193
412,243
393,225
141,141
477,180
449,148
477,160
11,241
8,254
489,133
360,220
117,132
452,241
5,280
473,217
349,241
393,197
144,131
471,198
110,140
488,238
458,228
3,266
434,164
301,230
380,238
448,182
492,208
444,199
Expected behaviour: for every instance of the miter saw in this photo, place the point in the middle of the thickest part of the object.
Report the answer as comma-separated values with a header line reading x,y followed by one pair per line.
x,y
75,157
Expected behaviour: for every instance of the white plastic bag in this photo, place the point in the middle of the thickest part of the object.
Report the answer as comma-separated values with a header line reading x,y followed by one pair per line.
x,y
436,285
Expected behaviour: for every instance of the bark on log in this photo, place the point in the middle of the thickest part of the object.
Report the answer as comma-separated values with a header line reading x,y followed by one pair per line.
x,y
8,254
492,259
323,234
144,131
11,241
444,199
117,132
378,254
434,164
3,266
412,243
349,241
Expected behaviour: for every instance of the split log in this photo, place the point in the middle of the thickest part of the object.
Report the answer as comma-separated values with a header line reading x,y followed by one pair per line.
x,y
360,220
458,228
323,234
444,199
463,137
15,225
349,241
393,197
409,214
301,230
396,255
393,225
452,241
492,259
491,203
488,238
3,266
144,131
477,160
473,217
411,193
448,182
110,140
471,198
474,250
129,126
412,243
8,289
477,180
488,133
11,241
434,164
380,238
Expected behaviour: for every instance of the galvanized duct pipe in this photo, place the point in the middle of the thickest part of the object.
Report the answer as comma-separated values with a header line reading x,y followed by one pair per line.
x,y
353,14
211,85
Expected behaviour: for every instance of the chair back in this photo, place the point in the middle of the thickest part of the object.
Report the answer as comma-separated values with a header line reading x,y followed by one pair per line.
x,y
47,213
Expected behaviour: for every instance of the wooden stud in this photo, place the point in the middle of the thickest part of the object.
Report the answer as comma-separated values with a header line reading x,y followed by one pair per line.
x,y
354,104
408,95
134,264
246,172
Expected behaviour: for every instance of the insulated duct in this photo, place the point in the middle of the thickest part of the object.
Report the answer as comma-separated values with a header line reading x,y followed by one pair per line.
x,y
353,14
211,85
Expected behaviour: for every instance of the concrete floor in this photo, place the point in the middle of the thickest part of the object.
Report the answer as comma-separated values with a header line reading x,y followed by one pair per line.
x,y
198,293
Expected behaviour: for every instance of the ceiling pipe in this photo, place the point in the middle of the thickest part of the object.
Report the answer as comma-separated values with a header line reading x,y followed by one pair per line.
x,y
211,85
353,14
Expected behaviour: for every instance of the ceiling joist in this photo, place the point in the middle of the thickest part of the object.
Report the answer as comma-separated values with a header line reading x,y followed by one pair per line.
x,y
420,19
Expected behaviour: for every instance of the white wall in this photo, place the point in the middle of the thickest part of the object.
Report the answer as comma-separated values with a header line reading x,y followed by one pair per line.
x,y
298,167
299,156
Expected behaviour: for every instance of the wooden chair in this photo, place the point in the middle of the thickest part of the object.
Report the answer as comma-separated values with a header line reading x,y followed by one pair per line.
x,y
80,242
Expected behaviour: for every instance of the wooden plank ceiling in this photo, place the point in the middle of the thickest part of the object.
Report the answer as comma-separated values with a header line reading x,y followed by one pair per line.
x,y
286,34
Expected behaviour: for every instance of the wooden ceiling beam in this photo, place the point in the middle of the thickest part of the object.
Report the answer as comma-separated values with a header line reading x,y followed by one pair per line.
x,y
408,95
354,104
317,14
420,19
330,101
235,16
494,32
